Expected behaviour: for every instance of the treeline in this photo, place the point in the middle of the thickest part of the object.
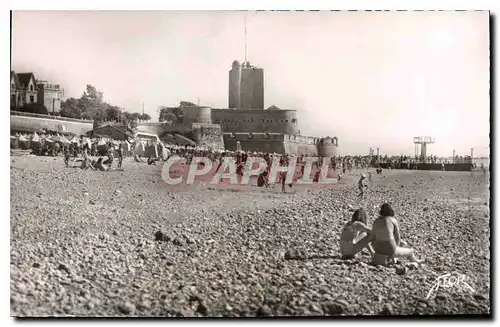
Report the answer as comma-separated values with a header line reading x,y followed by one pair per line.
x,y
91,106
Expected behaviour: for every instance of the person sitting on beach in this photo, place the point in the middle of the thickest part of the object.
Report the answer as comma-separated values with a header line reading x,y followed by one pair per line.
x,y
101,165
386,238
138,158
262,180
109,161
151,161
317,175
355,236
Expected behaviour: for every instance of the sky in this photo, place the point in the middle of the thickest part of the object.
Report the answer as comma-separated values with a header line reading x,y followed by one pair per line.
x,y
373,79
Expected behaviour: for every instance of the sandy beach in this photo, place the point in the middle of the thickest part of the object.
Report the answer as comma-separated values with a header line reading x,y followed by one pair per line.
x,y
88,243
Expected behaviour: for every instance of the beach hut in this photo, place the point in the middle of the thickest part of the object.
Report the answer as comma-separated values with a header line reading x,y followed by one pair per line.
x,y
139,149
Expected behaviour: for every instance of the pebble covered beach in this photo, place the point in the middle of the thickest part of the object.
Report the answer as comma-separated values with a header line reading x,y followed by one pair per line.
x,y
124,243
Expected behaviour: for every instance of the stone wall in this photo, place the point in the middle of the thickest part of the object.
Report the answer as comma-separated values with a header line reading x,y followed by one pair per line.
x,y
272,142
197,115
208,135
22,122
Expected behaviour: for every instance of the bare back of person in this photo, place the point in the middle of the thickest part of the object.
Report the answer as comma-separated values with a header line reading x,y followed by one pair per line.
x,y
385,242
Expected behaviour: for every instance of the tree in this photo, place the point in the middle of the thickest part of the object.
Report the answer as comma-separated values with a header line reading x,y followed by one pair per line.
x,y
145,117
170,118
113,113
187,104
71,108
136,116
167,112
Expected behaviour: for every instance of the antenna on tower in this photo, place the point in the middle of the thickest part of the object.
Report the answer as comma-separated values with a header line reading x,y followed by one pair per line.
x,y
245,36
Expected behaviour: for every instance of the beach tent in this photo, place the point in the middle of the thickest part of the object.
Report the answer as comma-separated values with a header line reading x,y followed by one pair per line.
x,y
151,151
75,139
86,141
102,147
56,138
64,140
182,140
35,138
14,142
36,142
163,152
24,142
139,149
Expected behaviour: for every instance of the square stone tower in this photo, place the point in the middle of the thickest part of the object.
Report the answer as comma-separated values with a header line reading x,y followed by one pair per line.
x,y
246,86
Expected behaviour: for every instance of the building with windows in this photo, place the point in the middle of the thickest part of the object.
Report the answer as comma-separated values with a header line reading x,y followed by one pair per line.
x,y
26,89
23,89
246,124
50,96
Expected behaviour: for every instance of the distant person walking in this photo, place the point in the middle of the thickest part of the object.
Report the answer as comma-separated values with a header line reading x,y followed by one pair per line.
x,y
66,156
120,157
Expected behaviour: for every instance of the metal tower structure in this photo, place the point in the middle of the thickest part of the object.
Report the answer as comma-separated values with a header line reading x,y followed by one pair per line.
x,y
422,141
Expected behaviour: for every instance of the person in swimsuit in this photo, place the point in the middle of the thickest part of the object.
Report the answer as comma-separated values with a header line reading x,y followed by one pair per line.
x,y
120,157
361,186
386,238
355,236
85,160
283,180
66,157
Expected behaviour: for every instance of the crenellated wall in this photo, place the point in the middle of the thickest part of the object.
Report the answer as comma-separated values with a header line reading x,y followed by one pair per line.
x,y
256,121
272,142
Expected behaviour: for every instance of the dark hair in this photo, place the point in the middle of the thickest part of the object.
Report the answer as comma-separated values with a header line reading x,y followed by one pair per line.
x,y
359,215
386,210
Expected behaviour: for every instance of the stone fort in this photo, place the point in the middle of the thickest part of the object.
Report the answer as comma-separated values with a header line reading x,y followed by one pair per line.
x,y
246,124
